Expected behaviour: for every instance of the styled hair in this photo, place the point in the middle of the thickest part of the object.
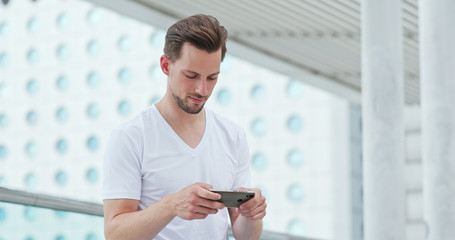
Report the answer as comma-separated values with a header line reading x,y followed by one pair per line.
x,y
202,31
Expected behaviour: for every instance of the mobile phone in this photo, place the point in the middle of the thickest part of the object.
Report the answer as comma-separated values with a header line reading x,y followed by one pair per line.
x,y
232,198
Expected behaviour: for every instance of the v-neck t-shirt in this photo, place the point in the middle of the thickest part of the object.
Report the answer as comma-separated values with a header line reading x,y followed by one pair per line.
x,y
146,160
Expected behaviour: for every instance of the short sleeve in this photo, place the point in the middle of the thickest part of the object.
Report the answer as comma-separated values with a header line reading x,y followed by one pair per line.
x,y
242,178
122,177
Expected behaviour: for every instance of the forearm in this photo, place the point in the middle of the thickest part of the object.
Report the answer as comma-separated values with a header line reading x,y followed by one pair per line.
x,y
144,224
246,229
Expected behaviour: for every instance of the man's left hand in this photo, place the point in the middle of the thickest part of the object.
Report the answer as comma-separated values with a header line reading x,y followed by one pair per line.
x,y
255,208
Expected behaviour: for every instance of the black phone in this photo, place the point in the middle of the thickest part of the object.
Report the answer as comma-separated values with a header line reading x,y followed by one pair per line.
x,y
232,198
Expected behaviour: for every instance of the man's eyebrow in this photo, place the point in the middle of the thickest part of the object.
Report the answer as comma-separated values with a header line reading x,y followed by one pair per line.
x,y
193,72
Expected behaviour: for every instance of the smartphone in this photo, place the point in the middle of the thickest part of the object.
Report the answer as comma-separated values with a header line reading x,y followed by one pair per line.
x,y
232,198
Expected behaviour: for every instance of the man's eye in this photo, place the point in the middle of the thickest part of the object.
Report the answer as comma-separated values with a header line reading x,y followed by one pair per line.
x,y
191,77
212,78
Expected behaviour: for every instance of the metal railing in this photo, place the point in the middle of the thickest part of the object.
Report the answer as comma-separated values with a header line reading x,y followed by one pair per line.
x,y
70,205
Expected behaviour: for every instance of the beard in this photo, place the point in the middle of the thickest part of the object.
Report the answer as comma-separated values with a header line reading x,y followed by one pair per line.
x,y
183,104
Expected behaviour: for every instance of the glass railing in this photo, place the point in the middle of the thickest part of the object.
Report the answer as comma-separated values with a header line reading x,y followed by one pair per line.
x,y
33,216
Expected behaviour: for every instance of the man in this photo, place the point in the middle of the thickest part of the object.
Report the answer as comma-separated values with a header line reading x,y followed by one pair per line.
x,y
159,166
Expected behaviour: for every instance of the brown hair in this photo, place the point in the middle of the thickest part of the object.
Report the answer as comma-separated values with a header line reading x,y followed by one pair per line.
x,y
202,31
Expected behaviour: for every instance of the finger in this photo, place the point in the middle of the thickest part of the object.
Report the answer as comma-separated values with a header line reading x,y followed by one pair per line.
x,y
255,211
204,193
193,215
242,189
202,210
259,216
252,203
209,203
204,185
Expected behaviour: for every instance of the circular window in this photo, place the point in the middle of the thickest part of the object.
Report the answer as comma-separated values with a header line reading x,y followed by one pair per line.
x,y
63,83
33,25
94,16
224,97
62,146
31,213
33,56
259,161
63,21
92,143
4,29
294,89
258,93
91,236
61,214
295,193
4,60
295,227
295,158
259,127
3,152
61,178
125,76
92,175
93,111
93,48
60,237
294,123
125,43
63,52
124,107
31,149
4,121
93,79
32,87
31,180
2,215
32,118
62,115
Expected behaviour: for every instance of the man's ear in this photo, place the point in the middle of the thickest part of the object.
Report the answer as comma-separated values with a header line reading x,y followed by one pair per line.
x,y
165,63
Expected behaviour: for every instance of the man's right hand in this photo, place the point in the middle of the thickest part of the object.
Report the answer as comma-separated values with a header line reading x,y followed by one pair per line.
x,y
195,202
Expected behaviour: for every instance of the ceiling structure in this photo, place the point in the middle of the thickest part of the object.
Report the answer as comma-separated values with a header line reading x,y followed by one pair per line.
x,y
316,41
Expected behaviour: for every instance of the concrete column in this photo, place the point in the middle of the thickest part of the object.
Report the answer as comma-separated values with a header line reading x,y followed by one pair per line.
x,y
437,68
383,134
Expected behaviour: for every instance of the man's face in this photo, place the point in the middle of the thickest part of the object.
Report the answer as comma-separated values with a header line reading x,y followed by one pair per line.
x,y
192,77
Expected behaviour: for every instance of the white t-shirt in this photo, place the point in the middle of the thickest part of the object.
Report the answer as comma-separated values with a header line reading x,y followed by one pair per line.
x,y
146,160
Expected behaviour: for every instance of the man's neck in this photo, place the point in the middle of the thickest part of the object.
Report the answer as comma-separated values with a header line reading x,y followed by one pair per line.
x,y
174,114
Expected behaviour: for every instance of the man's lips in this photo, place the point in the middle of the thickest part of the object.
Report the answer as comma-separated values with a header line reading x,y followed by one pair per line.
x,y
197,100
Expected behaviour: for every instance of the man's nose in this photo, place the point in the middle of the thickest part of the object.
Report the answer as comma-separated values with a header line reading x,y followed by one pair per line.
x,y
201,87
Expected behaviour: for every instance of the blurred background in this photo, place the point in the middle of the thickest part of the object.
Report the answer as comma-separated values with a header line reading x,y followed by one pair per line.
x,y
71,70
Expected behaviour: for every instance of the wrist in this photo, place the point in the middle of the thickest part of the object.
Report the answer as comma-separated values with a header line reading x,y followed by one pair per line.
x,y
169,205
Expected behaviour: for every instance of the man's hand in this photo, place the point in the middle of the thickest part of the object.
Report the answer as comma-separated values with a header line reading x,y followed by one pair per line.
x,y
255,208
195,202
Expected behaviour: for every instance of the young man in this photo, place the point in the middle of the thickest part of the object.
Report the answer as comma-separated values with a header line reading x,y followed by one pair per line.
x,y
159,166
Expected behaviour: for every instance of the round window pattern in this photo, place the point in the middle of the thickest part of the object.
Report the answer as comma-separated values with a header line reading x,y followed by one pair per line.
x,y
32,87
295,158
93,111
259,161
295,123
295,193
259,127
224,97
62,146
61,178
63,83
124,108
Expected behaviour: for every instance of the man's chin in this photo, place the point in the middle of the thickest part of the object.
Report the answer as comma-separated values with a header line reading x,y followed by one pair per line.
x,y
192,110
